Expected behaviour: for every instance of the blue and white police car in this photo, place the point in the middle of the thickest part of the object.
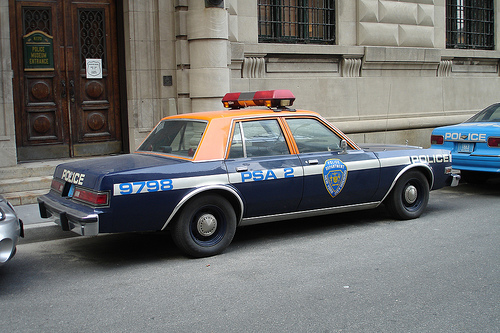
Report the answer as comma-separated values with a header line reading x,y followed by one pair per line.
x,y
474,144
202,175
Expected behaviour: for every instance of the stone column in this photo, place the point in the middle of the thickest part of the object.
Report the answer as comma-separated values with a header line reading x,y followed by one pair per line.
x,y
142,49
8,156
208,52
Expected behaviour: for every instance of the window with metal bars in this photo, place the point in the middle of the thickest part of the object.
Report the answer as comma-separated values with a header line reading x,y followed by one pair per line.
x,y
470,24
297,21
37,18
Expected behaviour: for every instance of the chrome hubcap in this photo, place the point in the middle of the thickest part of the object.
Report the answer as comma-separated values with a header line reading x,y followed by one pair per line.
x,y
411,194
207,224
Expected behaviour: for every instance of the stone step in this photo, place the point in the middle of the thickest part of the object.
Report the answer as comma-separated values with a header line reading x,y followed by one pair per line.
x,y
27,170
25,184
24,197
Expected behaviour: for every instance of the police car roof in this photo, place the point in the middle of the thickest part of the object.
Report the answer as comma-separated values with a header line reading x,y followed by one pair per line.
x,y
241,113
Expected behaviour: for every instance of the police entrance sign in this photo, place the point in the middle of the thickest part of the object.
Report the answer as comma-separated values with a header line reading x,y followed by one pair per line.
x,y
38,51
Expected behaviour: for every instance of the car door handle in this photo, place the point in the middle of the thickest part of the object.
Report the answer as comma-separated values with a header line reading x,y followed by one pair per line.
x,y
241,168
312,162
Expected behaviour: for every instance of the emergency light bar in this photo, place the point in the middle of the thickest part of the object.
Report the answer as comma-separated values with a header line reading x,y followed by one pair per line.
x,y
267,98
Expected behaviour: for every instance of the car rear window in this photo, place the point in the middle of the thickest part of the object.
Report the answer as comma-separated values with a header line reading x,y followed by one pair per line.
x,y
490,114
175,137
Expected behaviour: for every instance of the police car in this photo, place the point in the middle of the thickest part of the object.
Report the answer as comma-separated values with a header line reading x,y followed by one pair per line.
x,y
474,144
202,175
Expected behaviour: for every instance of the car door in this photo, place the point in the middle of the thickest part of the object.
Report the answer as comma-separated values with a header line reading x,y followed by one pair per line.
x,y
332,176
262,168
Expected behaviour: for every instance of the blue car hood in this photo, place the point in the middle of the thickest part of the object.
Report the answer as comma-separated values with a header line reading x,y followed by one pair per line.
x,y
90,172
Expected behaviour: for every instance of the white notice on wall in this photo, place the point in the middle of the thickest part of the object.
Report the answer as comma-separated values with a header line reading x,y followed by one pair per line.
x,y
94,68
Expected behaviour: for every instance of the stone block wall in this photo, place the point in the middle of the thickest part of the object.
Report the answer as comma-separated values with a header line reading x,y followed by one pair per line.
x,y
396,23
388,78
8,156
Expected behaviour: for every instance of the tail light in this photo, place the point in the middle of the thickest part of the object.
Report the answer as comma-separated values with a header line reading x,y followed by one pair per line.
x,y
57,185
437,139
494,142
91,197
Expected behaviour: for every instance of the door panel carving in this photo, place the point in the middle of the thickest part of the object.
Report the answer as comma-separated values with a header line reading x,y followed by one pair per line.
x,y
40,91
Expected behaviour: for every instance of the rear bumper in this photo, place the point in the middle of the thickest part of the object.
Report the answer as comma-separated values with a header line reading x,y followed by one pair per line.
x,y
455,178
476,163
80,222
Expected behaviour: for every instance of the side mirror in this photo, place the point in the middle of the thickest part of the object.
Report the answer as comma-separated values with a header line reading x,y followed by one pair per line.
x,y
343,146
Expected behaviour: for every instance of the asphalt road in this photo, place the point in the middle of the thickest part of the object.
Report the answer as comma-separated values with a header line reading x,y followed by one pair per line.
x,y
355,272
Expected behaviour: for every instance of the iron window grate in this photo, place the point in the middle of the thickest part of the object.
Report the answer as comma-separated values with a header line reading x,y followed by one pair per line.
x,y
297,21
470,24
37,18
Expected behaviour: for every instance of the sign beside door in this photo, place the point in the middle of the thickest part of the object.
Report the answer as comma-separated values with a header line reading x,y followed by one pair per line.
x,y
94,68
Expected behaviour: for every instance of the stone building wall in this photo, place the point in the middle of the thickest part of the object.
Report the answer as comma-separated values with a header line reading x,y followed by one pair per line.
x,y
7,131
389,78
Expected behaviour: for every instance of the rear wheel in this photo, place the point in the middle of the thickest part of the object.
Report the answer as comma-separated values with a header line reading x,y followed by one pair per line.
x,y
205,226
409,197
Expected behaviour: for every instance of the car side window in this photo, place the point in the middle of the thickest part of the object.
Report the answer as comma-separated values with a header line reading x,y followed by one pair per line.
x,y
258,138
312,136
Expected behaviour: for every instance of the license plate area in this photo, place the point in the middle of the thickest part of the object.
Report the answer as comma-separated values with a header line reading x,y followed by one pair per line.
x,y
71,190
465,147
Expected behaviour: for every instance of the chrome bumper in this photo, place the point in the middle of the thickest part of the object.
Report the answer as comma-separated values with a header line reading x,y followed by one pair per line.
x,y
454,174
10,231
69,219
455,179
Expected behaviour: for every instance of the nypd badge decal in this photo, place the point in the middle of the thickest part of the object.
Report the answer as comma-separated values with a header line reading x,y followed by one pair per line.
x,y
334,176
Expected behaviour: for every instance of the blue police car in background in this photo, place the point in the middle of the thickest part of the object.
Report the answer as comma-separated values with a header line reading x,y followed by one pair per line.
x,y
474,144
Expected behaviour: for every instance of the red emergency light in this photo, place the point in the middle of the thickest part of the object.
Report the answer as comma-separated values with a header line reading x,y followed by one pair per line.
x,y
267,98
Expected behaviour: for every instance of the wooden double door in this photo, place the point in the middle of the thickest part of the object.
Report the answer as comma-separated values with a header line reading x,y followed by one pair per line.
x,y
66,78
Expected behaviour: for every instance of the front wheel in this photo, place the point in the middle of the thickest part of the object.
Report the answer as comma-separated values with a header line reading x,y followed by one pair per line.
x,y
409,197
205,226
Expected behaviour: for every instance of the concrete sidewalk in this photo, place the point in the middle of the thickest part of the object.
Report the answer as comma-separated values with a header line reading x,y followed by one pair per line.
x,y
29,214
37,229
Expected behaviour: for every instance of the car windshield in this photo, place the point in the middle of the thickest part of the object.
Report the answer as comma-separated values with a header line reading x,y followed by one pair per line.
x,y
175,137
490,114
